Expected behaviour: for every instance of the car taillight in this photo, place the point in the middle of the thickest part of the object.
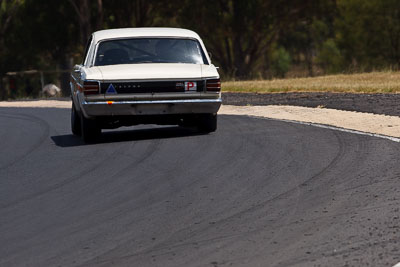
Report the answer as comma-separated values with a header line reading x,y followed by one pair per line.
x,y
213,85
91,88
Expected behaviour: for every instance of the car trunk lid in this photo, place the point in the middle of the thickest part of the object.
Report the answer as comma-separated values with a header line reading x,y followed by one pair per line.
x,y
151,78
150,71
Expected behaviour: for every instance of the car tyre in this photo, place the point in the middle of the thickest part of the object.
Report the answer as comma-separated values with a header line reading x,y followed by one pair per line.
x,y
75,121
207,123
90,131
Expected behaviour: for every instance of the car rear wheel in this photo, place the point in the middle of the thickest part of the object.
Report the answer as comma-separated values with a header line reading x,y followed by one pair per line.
x,y
207,123
90,131
75,121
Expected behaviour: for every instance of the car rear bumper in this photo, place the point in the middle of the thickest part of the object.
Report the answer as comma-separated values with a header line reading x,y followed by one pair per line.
x,y
150,107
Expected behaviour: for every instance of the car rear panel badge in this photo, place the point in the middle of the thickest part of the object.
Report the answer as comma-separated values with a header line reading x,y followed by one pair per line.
x,y
111,90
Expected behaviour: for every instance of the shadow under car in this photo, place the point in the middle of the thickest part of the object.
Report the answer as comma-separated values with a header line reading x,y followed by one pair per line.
x,y
70,140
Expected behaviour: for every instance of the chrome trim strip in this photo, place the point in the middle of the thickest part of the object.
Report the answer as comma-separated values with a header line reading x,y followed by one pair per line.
x,y
196,79
219,100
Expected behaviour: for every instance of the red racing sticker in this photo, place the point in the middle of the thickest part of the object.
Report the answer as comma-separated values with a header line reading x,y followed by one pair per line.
x,y
190,86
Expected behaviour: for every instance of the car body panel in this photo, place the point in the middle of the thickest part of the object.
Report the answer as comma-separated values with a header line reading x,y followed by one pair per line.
x,y
144,88
144,71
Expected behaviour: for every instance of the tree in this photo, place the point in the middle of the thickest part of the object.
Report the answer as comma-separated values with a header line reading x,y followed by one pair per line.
x,y
240,33
368,33
84,10
41,36
8,11
305,38
138,13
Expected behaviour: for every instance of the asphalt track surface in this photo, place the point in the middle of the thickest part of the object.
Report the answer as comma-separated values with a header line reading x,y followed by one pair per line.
x,y
257,192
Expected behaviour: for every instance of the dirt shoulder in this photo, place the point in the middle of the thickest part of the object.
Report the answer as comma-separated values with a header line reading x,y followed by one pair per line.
x,y
350,111
37,104
358,121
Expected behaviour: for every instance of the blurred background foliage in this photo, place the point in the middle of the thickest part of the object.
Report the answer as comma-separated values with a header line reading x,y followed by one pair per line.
x,y
252,39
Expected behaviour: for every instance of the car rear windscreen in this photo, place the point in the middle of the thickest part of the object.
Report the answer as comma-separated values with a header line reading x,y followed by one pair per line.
x,y
149,50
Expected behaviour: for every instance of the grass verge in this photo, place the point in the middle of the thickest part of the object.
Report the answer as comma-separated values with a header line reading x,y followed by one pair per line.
x,y
375,82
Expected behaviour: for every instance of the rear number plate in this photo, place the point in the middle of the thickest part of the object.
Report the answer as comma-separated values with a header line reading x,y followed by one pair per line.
x,y
190,86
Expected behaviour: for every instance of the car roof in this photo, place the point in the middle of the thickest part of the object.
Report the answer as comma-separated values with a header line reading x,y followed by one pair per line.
x,y
143,32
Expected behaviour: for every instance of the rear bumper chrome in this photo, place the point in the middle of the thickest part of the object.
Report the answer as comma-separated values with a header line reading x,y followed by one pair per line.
x,y
150,107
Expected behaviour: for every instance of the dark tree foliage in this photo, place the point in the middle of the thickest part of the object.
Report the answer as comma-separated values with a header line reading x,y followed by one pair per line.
x,y
369,33
247,39
240,33
138,13
304,38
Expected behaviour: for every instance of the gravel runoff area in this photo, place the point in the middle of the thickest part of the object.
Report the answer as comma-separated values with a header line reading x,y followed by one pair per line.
x,y
369,113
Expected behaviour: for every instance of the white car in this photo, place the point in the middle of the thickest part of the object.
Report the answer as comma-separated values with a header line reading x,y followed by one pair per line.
x,y
144,76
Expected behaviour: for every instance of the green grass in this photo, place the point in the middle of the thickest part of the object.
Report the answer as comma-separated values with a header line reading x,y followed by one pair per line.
x,y
375,82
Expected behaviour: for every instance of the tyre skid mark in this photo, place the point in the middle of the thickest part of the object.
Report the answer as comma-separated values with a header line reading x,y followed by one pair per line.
x,y
43,124
58,185
316,176
148,153
161,246
330,166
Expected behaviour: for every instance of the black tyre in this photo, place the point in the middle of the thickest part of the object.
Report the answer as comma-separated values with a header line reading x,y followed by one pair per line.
x,y
75,121
90,131
207,123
